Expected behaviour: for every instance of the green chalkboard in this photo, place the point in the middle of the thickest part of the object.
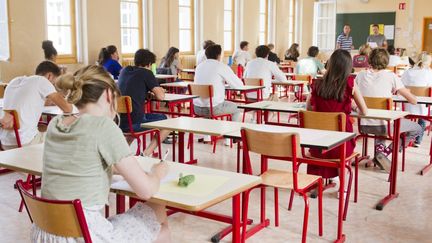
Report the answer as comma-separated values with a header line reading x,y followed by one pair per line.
x,y
360,24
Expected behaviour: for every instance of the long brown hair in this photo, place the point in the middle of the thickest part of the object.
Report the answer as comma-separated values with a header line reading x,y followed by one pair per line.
x,y
334,82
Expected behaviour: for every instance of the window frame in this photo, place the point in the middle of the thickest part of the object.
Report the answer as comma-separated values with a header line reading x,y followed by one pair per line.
x,y
68,58
330,35
266,27
292,22
233,11
8,24
140,28
192,28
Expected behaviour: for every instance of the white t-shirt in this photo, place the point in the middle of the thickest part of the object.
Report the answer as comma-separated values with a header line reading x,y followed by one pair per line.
x,y
377,84
421,77
216,73
241,57
200,57
264,69
27,96
394,61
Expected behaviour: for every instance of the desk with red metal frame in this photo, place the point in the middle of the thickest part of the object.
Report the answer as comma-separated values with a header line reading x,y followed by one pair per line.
x,y
243,90
188,71
309,138
167,77
289,83
421,100
176,87
174,100
273,106
51,110
395,116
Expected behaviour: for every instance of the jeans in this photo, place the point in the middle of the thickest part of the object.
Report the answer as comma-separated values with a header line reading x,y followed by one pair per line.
x,y
419,138
150,117
227,107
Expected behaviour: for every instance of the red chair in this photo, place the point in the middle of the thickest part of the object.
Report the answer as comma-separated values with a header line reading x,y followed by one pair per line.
x,y
253,82
279,146
124,106
60,218
205,91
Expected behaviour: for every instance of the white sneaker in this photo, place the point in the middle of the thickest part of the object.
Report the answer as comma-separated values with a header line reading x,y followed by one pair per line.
x,y
207,138
227,142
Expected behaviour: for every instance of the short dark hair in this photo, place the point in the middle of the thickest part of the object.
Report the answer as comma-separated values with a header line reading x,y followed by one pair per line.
x,y
391,50
375,25
262,51
213,51
243,44
347,25
144,57
379,58
47,67
313,51
208,43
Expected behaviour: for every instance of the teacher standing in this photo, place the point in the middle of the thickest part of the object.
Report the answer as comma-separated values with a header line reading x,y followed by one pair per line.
x,y
376,37
344,40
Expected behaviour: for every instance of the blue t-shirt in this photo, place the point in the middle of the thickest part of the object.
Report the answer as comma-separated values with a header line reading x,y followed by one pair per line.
x,y
135,82
113,67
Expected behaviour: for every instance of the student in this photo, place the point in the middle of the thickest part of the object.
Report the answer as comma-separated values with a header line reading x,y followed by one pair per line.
x,y
27,95
213,71
344,40
335,93
171,61
108,58
394,59
137,82
50,52
310,65
262,68
420,75
292,54
242,56
81,153
362,59
376,37
273,56
378,82
200,57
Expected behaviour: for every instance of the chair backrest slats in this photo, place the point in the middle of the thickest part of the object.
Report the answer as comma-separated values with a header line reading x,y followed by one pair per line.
x,y
123,103
202,90
253,81
378,103
332,121
420,91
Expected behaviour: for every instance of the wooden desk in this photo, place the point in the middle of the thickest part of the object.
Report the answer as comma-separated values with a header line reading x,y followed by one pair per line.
x,y
49,110
188,70
173,101
395,116
273,106
167,77
175,87
27,159
244,90
421,100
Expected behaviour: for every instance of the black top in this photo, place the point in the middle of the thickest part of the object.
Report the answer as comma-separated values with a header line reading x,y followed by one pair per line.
x,y
290,58
273,57
136,82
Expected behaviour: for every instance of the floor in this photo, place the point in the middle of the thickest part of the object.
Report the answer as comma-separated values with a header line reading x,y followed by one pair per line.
x,y
403,220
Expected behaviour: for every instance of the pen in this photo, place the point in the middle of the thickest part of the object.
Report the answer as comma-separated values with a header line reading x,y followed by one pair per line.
x,y
165,156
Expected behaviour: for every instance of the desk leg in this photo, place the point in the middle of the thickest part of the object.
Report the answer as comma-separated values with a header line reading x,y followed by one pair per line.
x,y
429,166
120,204
236,236
340,235
181,147
393,171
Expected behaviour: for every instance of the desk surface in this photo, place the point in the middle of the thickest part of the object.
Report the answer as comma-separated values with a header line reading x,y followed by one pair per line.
x,y
386,115
424,100
176,84
27,159
188,70
279,106
165,76
245,88
290,82
177,97
48,110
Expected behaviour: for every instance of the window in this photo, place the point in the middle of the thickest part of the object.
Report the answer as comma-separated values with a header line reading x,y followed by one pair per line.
x,y
4,31
291,19
60,18
263,24
131,26
229,26
325,24
186,26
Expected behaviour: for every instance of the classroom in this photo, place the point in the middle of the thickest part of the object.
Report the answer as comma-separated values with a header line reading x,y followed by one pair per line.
x,y
215,121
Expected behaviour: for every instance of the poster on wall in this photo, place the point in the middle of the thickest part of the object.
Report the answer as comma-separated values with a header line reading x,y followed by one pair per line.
x,y
389,32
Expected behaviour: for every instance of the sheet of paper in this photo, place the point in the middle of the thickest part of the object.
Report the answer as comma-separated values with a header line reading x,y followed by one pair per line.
x,y
373,44
389,31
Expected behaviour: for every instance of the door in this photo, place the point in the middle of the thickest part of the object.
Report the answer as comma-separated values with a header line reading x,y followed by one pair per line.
x,y
427,35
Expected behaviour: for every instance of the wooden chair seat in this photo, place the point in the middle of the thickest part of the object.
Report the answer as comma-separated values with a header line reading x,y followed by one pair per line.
x,y
348,158
284,179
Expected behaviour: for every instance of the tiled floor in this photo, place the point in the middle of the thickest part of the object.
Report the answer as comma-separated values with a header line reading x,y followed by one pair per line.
x,y
403,220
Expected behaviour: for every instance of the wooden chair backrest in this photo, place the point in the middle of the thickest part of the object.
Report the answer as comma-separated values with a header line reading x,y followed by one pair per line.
x,y
253,81
331,121
357,70
392,68
55,217
123,103
202,90
271,144
188,61
420,91
378,103
303,77
15,116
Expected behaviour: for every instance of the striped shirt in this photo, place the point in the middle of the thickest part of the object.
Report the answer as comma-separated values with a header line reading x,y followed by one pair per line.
x,y
345,42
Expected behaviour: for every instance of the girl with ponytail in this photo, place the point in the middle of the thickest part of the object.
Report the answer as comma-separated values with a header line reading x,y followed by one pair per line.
x,y
108,58
81,152
49,51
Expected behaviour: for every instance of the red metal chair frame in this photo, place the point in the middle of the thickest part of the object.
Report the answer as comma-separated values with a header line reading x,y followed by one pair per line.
x,y
248,101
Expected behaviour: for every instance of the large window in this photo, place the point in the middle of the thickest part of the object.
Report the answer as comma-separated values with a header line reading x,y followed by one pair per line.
x,y
263,22
325,24
60,18
291,19
229,26
186,26
4,31
131,26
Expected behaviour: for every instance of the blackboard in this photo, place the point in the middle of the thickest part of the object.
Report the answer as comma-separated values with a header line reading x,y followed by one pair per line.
x,y
360,24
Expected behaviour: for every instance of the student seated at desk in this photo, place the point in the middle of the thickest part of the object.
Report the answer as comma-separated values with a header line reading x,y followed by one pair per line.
x,y
200,57
378,82
27,95
394,59
242,56
213,71
421,76
137,82
335,93
171,62
80,155
108,58
262,68
273,57
292,54
362,59
50,52
310,65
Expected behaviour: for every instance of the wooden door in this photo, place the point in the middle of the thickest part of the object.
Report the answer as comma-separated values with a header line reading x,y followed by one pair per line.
x,y
427,35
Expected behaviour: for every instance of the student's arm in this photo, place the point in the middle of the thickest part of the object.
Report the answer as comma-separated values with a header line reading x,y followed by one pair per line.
x,y
230,77
152,84
159,93
358,99
309,103
412,99
6,122
277,73
58,99
338,43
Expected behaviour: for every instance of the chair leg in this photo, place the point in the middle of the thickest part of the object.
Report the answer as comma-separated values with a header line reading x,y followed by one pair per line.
x,y
403,152
305,218
348,192
320,207
245,207
356,179
214,141
291,200
276,206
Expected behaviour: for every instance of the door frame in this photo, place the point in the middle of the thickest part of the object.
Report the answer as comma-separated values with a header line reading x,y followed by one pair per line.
x,y
423,31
